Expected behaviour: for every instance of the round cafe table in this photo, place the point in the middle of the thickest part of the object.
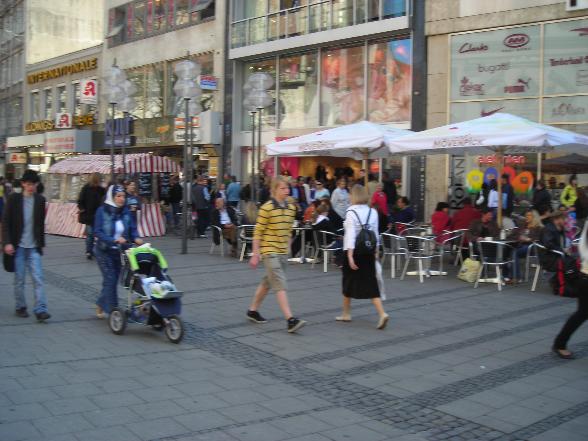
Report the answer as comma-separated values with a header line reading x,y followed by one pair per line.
x,y
302,229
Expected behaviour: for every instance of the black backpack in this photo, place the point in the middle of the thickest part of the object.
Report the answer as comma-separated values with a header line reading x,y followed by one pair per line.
x,y
366,240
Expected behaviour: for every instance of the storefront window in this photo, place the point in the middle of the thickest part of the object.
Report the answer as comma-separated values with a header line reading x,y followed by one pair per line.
x,y
173,103
389,84
159,10
269,113
139,15
62,99
137,77
342,13
77,107
35,106
154,91
249,8
298,102
342,86
118,21
48,103
182,12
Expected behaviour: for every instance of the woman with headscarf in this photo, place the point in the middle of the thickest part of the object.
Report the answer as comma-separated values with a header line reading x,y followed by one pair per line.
x,y
115,229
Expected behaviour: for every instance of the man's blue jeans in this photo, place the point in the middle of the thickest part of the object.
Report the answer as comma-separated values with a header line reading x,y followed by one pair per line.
x,y
29,258
110,266
89,239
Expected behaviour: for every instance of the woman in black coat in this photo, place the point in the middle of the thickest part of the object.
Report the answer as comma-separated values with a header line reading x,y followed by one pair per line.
x,y
91,197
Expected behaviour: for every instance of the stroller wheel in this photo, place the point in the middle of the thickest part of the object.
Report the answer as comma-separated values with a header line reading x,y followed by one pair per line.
x,y
117,320
174,328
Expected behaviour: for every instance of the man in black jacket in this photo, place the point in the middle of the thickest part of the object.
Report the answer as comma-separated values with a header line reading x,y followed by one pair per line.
x,y
90,198
553,238
201,204
225,218
23,233
541,198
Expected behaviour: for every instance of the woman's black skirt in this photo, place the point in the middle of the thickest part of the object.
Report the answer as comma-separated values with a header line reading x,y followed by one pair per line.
x,y
361,283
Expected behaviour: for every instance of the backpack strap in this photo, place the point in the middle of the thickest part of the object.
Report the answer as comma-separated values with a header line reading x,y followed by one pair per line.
x,y
358,219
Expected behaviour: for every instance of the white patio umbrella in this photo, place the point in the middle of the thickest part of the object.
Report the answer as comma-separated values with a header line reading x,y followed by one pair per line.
x,y
362,141
496,134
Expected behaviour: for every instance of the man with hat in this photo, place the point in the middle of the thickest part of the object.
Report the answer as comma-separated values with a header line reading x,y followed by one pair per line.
x,y
23,229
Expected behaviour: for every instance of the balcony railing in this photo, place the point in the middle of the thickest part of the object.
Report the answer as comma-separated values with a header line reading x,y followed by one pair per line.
x,y
316,17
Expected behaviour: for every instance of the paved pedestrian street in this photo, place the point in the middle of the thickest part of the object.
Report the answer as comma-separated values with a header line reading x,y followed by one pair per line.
x,y
454,363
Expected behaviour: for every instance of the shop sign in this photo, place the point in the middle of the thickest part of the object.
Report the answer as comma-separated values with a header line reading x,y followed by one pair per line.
x,y
121,128
568,109
17,158
496,64
63,121
565,60
68,141
508,160
89,92
61,71
208,82
39,126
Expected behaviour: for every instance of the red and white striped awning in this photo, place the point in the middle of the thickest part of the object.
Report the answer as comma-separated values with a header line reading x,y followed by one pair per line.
x,y
135,163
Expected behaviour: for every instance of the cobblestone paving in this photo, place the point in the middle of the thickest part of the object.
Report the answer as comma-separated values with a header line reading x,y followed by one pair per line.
x,y
455,364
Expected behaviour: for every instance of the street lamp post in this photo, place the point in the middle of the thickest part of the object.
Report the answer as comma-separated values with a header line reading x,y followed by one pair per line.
x,y
256,100
187,89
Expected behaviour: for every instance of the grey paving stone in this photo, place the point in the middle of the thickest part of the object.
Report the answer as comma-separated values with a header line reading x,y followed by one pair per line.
x,y
209,419
41,381
77,390
158,428
61,425
70,405
301,425
466,409
19,412
258,432
202,402
116,433
246,412
21,396
516,414
112,417
120,385
354,432
157,409
116,399
312,437
17,431
241,396
196,388
283,406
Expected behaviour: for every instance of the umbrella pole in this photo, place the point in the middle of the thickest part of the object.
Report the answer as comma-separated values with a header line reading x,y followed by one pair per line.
x,y
365,168
499,159
381,163
539,165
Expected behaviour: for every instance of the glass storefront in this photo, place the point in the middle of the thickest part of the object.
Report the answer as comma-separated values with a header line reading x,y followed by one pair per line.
x,y
343,95
174,104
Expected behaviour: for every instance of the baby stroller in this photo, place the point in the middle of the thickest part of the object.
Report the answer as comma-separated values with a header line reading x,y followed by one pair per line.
x,y
152,297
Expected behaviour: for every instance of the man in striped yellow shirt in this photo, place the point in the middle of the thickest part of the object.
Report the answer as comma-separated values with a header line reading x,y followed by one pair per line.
x,y
271,243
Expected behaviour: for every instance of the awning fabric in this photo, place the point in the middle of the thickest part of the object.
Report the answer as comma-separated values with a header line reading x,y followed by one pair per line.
x,y
135,163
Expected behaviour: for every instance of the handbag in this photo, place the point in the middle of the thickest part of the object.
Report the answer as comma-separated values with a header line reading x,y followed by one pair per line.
x,y
8,261
469,270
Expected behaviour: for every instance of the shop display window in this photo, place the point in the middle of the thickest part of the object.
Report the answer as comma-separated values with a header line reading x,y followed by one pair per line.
x,y
154,91
158,15
389,81
48,103
182,12
298,100
139,19
342,86
35,106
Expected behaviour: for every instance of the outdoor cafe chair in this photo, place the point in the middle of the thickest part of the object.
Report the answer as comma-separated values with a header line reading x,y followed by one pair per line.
x,y
448,245
325,244
419,248
413,231
461,246
246,237
221,243
399,227
394,246
540,249
494,254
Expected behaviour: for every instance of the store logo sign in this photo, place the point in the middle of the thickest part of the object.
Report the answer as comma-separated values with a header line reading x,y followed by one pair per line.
x,y
516,41
469,88
493,67
458,141
582,32
484,113
63,121
469,47
582,78
568,109
520,86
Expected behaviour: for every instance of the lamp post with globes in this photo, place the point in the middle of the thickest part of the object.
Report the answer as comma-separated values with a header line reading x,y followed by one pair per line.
x,y
117,90
187,88
257,98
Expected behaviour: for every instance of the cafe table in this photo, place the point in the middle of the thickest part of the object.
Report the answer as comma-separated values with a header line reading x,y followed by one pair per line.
x,y
301,229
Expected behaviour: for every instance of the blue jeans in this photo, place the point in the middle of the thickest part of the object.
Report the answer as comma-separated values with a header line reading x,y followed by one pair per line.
x,y
89,239
519,254
29,258
110,267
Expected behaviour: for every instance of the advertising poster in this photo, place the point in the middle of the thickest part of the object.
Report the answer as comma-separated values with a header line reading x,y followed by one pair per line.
x,y
565,59
504,63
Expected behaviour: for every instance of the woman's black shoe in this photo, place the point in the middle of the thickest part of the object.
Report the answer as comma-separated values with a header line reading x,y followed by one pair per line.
x,y
560,354
89,256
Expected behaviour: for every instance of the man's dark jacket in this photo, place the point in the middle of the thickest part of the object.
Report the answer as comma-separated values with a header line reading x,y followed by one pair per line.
x,y
216,221
199,202
542,200
13,220
552,239
90,199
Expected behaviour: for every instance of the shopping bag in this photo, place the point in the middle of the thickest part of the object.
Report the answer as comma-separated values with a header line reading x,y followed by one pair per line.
x,y
380,280
8,261
469,270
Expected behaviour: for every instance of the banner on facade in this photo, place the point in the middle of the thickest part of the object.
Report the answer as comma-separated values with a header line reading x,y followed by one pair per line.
x,y
68,141
89,92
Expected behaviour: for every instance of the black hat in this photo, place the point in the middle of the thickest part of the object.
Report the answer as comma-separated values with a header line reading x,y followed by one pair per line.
x,y
30,176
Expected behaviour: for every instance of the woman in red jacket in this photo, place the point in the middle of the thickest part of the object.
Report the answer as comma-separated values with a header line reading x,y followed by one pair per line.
x,y
441,221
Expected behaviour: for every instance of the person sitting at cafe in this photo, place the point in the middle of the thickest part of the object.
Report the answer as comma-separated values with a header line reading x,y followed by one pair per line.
x,y
226,219
310,210
484,227
322,222
440,221
403,214
463,218
553,238
541,198
529,231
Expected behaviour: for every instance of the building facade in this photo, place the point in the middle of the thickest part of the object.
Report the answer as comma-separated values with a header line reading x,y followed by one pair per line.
x,y
147,38
12,62
524,57
333,63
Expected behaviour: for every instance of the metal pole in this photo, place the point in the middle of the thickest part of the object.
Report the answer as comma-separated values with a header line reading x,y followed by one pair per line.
x,y
259,110
124,141
112,145
253,156
186,183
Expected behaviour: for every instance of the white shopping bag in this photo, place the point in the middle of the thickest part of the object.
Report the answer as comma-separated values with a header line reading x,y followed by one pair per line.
x,y
380,279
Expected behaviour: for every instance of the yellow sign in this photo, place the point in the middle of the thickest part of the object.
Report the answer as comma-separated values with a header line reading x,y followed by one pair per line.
x,y
61,71
46,124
